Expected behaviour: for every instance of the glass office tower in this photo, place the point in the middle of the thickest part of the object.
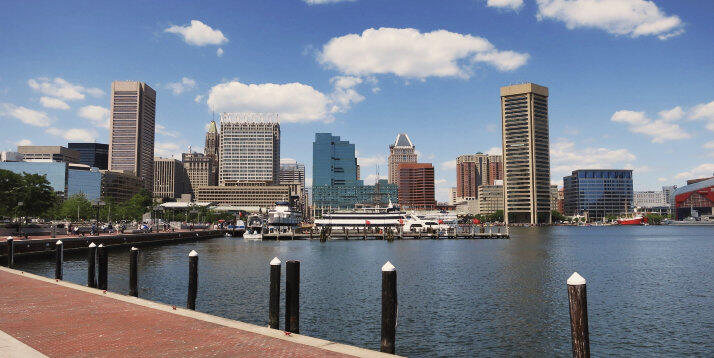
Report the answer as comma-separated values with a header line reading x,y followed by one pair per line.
x,y
598,192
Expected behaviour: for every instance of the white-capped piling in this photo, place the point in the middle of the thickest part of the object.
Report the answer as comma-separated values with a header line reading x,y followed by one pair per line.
x,y
103,263
274,304
389,307
92,266
292,296
10,251
59,257
578,302
133,268
192,280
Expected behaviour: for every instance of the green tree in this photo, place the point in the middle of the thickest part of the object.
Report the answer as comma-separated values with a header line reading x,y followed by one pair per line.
x,y
557,216
654,219
10,188
37,195
77,204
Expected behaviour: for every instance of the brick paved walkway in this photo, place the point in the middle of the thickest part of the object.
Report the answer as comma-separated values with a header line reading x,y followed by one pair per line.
x,y
67,320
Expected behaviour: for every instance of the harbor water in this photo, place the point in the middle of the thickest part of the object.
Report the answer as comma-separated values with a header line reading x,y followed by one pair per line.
x,y
650,291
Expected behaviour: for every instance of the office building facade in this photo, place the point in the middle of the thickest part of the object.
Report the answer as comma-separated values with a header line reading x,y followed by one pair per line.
x,y
249,148
120,186
402,151
526,153
92,154
66,179
490,199
696,199
212,149
170,179
199,169
416,186
474,170
131,129
48,153
598,193
243,194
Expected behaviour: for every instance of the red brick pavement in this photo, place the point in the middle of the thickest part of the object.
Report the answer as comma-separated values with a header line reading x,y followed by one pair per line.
x,y
62,321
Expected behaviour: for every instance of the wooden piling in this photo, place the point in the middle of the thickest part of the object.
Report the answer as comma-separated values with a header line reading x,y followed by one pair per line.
x,y
103,262
274,304
192,280
59,256
577,298
389,308
92,266
10,251
292,296
133,268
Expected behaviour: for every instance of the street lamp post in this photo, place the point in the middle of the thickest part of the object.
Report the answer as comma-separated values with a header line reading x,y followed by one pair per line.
x,y
19,217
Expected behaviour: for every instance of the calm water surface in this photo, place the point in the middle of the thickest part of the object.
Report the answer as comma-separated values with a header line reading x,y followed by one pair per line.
x,y
650,290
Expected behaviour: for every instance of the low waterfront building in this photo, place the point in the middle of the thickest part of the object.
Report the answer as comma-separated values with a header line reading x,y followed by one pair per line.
x,y
333,197
48,153
243,194
416,186
599,192
490,198
695,200
120,186
170,179
92,154
648,199
66,179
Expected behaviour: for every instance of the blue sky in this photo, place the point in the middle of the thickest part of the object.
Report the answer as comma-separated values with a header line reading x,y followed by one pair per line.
x,y
630,80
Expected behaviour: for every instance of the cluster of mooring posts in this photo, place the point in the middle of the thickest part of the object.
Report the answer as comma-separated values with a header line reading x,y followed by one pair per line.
x,y
392,233
97,260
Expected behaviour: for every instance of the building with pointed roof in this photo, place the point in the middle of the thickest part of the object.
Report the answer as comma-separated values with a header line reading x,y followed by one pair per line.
x,y
402,151
212,148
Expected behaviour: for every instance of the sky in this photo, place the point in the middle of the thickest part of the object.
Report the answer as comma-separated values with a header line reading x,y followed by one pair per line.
x,y
631,81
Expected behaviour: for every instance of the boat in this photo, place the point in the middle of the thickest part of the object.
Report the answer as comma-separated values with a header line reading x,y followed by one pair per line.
x,y
238,227
369,216
254,229
283,218
636,220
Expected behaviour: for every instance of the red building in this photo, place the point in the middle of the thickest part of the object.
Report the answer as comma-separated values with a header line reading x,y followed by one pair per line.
x,y
697,196
495,172
416,186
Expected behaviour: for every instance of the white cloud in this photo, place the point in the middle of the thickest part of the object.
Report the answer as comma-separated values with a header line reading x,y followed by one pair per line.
x,y
186,84
565,157
708,145
321,2
412,54
662,180
287,161
495,151
198,34
98,115
451,164
505,4
23,142
704,111
162,130
294,102
167,150
198,98
62,89
367,162
633,18
701,171
51,102
219,52
25,115
73,135
661,130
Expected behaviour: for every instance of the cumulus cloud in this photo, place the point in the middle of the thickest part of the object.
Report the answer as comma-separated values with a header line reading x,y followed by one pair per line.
x,y
167,150
162,130
505,4
344,94
632,18
23,142
60,88
412,54
186,84
73,135
565,157
451,164
25,115
287,161
98,115
219,52
198,98
198,34
661,130
367,162
708,145
701,171
704,111
54,103
495,151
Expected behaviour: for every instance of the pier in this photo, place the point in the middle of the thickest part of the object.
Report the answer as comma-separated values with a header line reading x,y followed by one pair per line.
x,y
496,232
46,317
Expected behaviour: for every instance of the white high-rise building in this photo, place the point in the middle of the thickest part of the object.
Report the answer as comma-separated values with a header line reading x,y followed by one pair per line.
x,y
249,148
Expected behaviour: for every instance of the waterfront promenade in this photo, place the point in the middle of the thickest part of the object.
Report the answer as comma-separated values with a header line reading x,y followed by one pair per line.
x,y
45,317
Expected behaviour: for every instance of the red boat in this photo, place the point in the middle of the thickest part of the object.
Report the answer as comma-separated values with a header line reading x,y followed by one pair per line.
x,y
637,220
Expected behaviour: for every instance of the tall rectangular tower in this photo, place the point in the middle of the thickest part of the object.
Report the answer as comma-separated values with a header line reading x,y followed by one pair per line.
x,y
526,153
333,161
474,170
402,151
249,148
131,129
211,149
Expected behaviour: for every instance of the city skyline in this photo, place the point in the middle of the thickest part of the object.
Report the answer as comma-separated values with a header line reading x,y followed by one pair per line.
x,y
628,99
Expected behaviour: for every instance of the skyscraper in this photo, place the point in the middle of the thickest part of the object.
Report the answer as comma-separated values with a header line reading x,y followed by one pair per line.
x,y
249,148
474,170
131,130
402,151
92,154
198,169
598,193
416,186
211,149
526,153
170,179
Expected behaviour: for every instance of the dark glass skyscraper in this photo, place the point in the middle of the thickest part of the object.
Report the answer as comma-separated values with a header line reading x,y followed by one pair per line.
x,y
92,154
599,192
